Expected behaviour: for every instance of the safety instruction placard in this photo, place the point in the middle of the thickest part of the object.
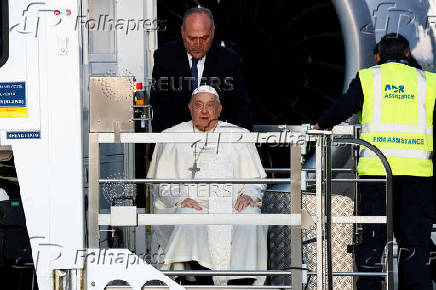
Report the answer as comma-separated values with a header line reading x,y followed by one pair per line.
x,y
13,100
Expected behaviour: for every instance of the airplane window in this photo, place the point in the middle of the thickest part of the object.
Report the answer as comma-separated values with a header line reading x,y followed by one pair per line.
x,y
4,32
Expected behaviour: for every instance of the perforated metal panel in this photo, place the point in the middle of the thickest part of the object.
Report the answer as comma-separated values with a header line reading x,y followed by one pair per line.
x,y
111,100
342,236
280,244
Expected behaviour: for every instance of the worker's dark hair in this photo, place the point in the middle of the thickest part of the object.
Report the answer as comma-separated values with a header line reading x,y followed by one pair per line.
x,y
412,60
376,49
200,10
392,47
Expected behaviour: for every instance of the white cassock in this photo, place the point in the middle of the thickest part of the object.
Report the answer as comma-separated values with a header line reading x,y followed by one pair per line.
x,y
217,247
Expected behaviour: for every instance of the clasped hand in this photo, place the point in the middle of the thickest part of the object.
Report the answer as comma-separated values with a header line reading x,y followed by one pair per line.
x,y
242,202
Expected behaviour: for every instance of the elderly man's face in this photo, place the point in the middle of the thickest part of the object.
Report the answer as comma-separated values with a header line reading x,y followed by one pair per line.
x,y
197,34
205,111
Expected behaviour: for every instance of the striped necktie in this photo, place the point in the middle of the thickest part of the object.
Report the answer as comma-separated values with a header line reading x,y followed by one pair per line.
x,y
194,71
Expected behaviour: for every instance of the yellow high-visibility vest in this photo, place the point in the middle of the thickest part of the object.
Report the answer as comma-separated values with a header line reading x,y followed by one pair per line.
x,y
397,118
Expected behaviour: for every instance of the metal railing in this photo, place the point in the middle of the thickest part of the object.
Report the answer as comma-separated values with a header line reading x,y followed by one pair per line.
x,y
294,220
323,180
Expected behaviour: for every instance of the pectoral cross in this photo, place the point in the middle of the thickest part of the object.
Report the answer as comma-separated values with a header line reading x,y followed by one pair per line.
x,y
194,169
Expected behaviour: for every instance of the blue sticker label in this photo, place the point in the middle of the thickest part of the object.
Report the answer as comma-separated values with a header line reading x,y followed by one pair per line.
x,y
13,95
23,135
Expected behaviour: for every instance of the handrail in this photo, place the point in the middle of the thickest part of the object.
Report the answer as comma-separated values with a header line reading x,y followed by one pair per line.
x,y
200,180
389,200
286,170
224,180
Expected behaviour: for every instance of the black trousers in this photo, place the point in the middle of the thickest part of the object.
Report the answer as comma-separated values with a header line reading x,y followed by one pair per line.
x,y
414,211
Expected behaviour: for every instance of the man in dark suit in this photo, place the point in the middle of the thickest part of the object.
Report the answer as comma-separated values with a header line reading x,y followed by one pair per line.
x,y
194,60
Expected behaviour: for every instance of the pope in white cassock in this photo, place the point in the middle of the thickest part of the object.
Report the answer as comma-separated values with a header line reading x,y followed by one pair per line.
x,y
216,247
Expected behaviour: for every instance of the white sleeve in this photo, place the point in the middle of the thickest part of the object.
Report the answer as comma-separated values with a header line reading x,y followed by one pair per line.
x,y
169,194
254,191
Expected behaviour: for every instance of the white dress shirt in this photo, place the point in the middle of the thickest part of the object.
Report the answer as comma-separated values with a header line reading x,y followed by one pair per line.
x,y
200,66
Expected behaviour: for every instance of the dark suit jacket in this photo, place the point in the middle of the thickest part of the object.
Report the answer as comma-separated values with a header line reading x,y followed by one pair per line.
x,y
171,86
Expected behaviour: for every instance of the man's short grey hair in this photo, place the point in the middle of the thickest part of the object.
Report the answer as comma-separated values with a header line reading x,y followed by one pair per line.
x,y
206,89
200,10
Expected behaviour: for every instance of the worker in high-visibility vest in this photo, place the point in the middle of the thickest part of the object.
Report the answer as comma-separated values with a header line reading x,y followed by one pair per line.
x,y
396,105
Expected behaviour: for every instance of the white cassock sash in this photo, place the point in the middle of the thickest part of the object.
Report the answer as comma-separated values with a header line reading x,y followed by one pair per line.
x,y
220,202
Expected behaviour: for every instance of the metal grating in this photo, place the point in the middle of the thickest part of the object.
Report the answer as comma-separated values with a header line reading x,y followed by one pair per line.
x,y
280,246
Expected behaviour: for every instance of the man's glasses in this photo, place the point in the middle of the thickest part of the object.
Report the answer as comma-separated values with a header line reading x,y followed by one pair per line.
x,y
208,106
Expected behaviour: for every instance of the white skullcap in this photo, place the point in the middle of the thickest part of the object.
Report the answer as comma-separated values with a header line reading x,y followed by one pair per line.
x,y
207,89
